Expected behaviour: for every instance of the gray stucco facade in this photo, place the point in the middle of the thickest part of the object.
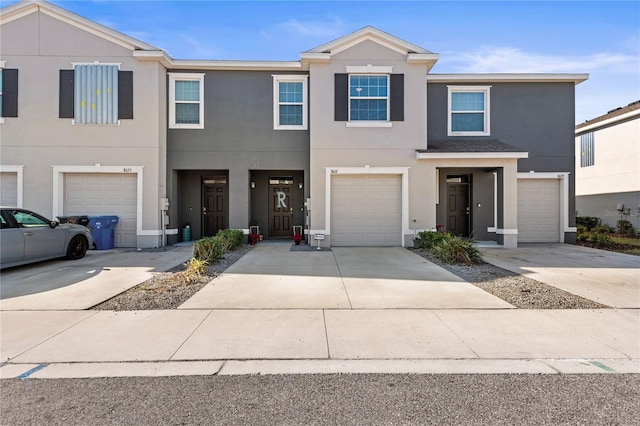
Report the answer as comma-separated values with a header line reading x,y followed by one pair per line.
x,y
238,141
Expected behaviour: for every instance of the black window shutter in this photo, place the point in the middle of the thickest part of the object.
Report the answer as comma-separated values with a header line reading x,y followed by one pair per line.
x,y
9,92
341,97
66,100
397,97
125,94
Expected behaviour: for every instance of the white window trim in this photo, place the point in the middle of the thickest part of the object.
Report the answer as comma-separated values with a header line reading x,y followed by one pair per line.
x,y
487,116
173,77
3,64
298,78
371,123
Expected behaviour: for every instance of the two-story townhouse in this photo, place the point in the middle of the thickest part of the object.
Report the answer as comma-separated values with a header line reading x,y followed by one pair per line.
x,y
607,155
357,141
396,149
83,128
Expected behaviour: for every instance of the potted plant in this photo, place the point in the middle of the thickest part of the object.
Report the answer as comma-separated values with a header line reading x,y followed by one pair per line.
x,y
254,233
254,238
297,238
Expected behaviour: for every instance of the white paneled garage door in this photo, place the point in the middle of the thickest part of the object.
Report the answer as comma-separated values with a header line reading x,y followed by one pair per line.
x,y
9,189
538,210
366,210
100,194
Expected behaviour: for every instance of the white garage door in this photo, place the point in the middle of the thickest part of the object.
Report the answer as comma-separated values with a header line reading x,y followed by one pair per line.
x,y
104,194
538,210
9,189
366,210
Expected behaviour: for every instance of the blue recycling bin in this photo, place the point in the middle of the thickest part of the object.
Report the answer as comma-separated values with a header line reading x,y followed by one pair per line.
x,y
103,230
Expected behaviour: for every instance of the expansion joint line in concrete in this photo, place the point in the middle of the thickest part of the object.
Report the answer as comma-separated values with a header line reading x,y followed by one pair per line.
x,y
456,334
326,334
342,279
190,334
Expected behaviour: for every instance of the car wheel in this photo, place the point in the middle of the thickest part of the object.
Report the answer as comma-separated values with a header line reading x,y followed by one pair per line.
x,y
77,247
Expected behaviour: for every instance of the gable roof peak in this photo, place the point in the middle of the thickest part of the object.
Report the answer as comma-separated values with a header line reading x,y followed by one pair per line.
x,y
368,33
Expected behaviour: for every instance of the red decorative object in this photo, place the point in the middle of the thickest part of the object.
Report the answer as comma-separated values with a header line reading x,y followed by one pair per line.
x,y
253,239
297,238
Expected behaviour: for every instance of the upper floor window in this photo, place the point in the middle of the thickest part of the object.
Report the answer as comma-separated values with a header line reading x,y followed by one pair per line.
x,y
8,92
368,98
96,94
468,111
587,154
290,102
186,101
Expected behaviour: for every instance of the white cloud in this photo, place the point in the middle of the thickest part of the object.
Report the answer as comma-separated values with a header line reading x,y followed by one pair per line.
x,y
315,29
511,59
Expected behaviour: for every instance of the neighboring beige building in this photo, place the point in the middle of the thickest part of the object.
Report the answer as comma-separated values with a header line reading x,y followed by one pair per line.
x,y
58,160
608,166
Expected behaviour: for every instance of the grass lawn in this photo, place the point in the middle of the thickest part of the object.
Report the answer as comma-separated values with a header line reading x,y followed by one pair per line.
x,y
634,242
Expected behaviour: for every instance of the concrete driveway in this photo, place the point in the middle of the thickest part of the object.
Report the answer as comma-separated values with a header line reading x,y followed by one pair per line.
x,y
606,277
80,284
273,277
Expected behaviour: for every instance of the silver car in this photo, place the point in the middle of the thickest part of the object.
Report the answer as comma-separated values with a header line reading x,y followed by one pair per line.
x,y
27,237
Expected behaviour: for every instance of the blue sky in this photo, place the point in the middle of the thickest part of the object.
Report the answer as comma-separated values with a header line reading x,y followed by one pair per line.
x,y
599,38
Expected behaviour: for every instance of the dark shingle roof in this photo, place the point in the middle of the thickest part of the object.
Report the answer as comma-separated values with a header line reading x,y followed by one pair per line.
x,y
470,145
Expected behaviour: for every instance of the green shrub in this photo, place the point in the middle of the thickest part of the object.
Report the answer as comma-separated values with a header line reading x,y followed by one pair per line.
x,y
601,239
428,239
626,228
211,249
235,237
588,222
581,229
583,237
602,229
456,250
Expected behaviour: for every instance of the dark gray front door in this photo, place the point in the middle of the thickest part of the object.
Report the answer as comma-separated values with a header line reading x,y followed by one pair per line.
x,y
281,209
458,209
214,208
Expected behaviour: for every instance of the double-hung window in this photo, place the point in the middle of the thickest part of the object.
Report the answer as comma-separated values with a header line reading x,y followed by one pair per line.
x,y
468,111
186,101
290,102
368,97
96,93
8,92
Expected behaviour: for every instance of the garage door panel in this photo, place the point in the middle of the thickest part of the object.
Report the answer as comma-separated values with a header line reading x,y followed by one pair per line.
x,y
9,189
99,194
366,210
538,210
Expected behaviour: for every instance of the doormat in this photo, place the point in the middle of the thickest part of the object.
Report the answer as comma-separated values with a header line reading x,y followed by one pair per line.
x,y
304,247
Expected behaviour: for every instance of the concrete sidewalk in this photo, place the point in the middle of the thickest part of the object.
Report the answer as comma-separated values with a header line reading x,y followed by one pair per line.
x,y
348,310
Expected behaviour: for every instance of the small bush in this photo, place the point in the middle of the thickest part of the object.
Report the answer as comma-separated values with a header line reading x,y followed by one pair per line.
x,y
235,237
602,229
583,237
195,269
588,222
211,249
456,250
428,239
581,229
601,239
626,228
